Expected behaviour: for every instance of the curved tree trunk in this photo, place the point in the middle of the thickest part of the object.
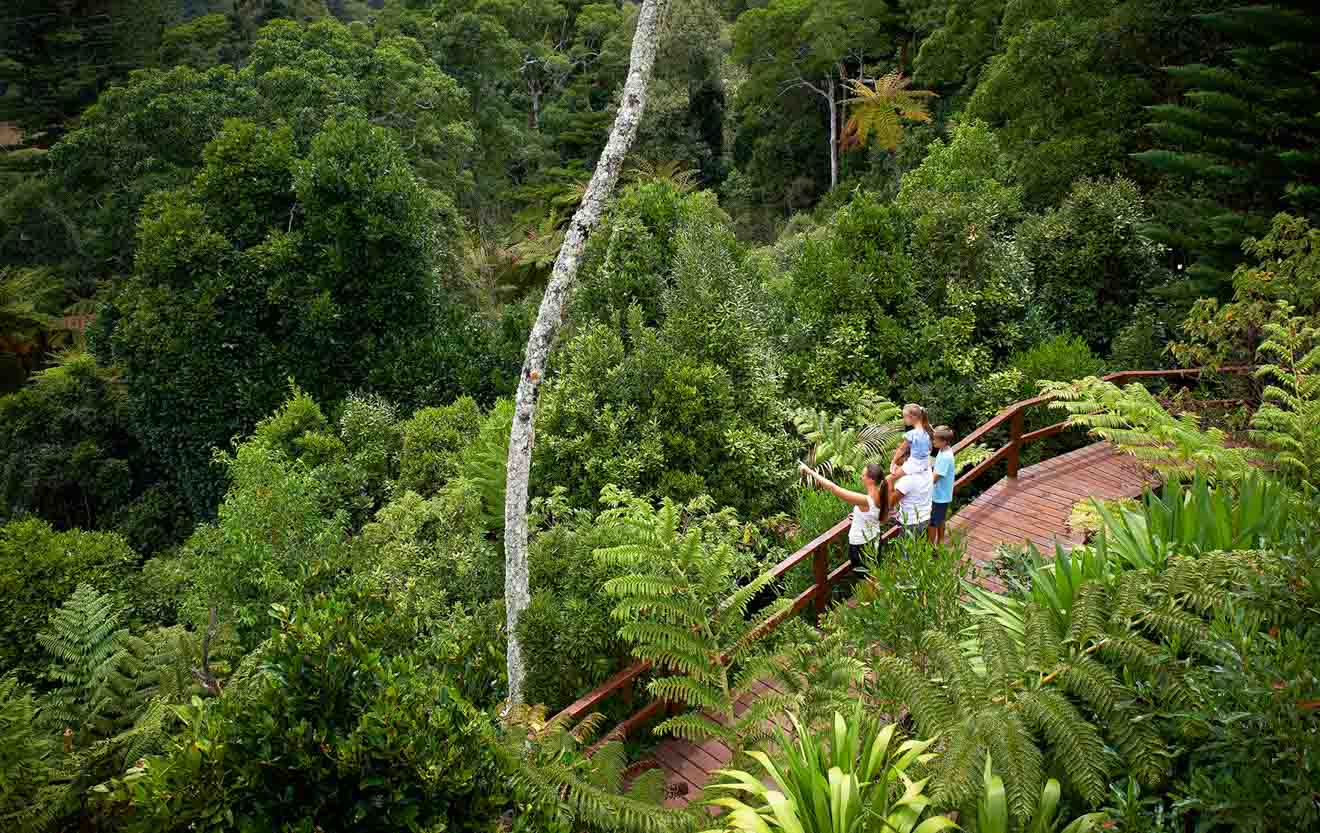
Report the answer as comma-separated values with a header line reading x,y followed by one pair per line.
x,y
550,317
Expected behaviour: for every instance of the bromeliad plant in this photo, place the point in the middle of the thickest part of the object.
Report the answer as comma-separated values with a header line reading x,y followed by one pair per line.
x,y
992,812
853,779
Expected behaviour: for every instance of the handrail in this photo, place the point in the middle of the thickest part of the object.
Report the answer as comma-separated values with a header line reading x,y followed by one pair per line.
x,y
818,549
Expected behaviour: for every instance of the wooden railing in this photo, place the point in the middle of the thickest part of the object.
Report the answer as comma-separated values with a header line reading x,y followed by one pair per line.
x,y
819,549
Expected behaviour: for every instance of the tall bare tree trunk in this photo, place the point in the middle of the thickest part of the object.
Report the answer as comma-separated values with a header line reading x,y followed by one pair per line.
x,y
548,321
834,131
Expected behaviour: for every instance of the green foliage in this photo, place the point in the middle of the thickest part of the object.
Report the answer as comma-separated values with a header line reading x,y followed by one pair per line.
x,y
432,439
1053,65
100,669
65,450
1063,357
27,299
674,609
482,463
1091,261
25,758
1133,419
1286,272
1033,704
269,544
852,778
39,569
337,728
912,586
584,789
842,292
1290,403
691,406
992,811
162,120
835,446
313,257
1227,179
1257,698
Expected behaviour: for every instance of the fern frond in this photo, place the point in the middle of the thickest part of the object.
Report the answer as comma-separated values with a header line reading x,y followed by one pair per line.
x,y
1079,747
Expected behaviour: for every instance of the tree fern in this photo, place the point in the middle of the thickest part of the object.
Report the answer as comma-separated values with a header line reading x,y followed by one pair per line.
x,y
589,790
668,171
1134,421
674,608
836,444
103,677
868,434
1290,404
25,760
878,112
482,463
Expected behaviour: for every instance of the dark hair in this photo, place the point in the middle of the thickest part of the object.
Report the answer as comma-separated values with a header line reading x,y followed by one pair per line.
x,y
876,473
945,433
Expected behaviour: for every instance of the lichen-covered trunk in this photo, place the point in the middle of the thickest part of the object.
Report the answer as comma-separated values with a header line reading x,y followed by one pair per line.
x,y
548,320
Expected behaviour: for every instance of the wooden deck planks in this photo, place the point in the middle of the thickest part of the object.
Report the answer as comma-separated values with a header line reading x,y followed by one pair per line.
x,y
1035,507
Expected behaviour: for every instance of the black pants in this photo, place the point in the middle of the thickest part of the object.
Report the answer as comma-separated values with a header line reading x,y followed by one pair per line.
x,y
855,558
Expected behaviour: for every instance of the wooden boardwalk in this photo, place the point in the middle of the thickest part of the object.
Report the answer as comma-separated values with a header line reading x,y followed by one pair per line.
x,y
1034,507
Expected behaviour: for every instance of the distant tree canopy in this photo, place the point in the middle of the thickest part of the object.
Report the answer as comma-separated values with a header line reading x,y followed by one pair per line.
x,y
305,263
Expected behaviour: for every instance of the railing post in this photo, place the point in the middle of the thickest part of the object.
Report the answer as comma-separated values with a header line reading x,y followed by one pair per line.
x,y
1014,442
820,566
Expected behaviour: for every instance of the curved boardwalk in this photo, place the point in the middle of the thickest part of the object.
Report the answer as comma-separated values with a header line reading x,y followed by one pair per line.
x,y
1033,507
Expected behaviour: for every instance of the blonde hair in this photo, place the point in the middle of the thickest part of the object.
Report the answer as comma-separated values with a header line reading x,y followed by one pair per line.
x,y
920,413
945,433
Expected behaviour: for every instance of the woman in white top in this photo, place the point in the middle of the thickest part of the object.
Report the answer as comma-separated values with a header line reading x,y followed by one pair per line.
x,y
912,485
869,509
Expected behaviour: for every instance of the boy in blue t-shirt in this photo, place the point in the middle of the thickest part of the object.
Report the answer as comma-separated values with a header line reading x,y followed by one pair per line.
x,y
941,494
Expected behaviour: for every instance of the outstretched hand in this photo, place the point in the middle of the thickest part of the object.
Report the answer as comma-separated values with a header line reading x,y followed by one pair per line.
x,y
803,468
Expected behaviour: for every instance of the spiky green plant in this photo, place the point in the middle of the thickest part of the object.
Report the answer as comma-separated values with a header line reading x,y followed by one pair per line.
x,y
992,811
1289,412
853,778
551,762
675,610
1133,419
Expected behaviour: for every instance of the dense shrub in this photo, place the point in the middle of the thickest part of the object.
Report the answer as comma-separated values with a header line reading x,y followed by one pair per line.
x,y
39,569
1092,263
843,296
1061,358
65,449
432,438
630,260
24,758
340,728
271,543
690,406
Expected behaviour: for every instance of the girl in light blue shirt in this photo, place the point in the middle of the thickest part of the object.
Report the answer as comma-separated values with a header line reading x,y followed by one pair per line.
x,y
917,441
